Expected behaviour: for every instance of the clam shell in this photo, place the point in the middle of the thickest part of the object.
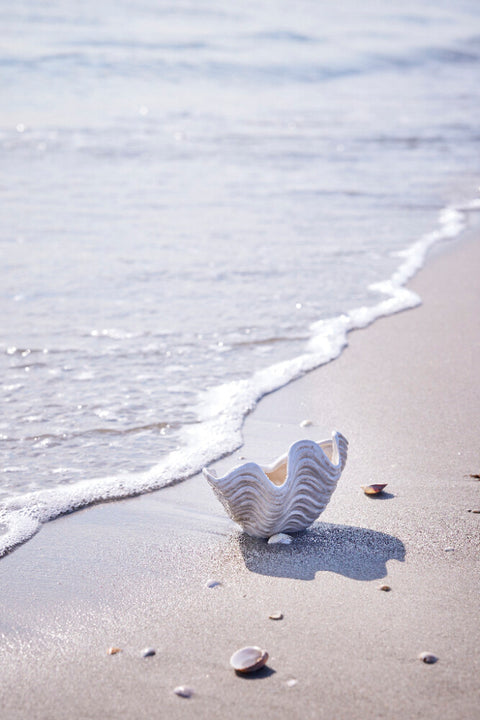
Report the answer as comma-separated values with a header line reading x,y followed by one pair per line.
x,y
249,659
288,495
373,489
183,691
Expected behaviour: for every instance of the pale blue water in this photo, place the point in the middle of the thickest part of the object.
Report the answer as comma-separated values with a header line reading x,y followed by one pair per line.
x,y
186,187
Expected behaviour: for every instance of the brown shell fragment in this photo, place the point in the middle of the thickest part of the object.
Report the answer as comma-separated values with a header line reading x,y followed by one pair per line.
x,y
373,489
113,650
248,659
385,588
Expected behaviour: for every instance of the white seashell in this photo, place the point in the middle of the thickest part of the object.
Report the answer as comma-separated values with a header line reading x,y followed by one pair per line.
x,y
428,658
148,652
280,539
212,583
286,496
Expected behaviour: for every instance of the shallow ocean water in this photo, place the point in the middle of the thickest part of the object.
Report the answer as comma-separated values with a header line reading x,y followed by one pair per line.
x,y
196,201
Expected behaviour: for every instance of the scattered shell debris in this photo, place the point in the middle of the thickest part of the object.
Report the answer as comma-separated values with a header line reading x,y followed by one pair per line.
x,y
148,652
249,659
306,423
291,682
280,539
183,691
428,658
113,650
212,583
385,588
475,512
374,489
276,615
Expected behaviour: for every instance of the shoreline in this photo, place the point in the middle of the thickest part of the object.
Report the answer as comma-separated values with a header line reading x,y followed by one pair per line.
x,y
133,573
225,408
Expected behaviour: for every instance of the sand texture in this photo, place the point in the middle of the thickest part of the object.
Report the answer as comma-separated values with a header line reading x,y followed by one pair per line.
x,y
133,574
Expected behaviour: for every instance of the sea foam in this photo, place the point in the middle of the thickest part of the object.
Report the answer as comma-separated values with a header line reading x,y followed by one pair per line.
x,y
221,410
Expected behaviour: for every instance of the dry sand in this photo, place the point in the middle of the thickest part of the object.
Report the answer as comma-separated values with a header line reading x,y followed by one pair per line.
x,y
133,574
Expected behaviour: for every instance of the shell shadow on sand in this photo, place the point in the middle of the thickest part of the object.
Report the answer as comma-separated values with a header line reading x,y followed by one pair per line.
x,y
354,552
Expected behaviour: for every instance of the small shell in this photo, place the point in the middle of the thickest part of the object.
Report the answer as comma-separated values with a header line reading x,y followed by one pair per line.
x,y
276,615
306,423
183,691
476,512
113,650
428,658
292,682
280,539
248,659
449,549
385,588
373,489
148,652
212,583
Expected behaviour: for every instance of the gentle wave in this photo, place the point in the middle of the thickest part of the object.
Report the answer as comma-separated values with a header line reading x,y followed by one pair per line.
x,y
221,411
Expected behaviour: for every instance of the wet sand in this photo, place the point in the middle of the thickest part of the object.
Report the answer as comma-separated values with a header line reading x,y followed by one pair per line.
x,y
133,574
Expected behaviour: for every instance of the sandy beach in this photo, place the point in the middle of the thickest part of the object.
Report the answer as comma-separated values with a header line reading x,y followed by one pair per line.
x,y
134,574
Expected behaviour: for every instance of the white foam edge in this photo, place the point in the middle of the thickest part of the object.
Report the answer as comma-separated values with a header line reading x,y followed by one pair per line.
x,y
222,410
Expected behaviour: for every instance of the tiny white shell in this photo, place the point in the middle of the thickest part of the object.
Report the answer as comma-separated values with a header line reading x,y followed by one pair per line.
x,y
212,583
280,539
148,652
428,658
306,423
183,691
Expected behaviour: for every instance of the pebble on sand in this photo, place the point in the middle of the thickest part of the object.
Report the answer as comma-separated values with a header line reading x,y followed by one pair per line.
x,y
428,658
276,615
148,652
292,682
280,539
306,423
113,650
183,691
385,588
249,659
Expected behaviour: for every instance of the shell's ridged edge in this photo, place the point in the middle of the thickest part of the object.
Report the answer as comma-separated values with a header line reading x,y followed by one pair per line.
x,y
263,509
